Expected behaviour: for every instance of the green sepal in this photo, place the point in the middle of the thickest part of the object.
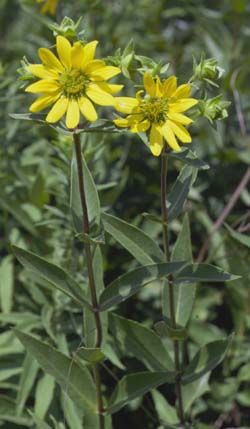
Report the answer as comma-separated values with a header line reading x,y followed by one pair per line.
x,y
91,355
87,238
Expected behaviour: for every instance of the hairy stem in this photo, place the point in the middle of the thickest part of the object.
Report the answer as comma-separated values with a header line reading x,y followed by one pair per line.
x,y
164,211
92,286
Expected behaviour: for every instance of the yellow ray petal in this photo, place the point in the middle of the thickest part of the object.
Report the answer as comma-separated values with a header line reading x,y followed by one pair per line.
x,y
181,132
43,102
58,110
183,91
169,136
126,104
121,122
77,55
140,127
63,48
39,70
92,67
73,114
106,72
182,104
43,86
149,84
113,89
96,94
178,117
169,86
49,59
110,88
158,88
87,109
156,141
89,51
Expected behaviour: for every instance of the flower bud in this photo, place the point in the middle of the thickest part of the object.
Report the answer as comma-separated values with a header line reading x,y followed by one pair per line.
x,y
214,109
207,70
67,28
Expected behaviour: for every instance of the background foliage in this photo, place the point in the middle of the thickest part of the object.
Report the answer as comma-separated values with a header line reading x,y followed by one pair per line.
x,y
35,213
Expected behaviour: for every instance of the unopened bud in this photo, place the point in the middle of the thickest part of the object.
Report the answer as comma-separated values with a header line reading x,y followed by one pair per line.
x,y
214,109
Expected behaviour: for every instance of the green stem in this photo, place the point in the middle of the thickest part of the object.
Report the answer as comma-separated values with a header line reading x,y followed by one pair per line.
x,y
164,211
92,286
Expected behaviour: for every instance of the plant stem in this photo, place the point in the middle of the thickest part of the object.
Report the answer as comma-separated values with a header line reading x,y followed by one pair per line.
x,y
92,286
164,211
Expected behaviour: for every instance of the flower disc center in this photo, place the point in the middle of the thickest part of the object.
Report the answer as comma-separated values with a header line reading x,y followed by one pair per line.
x,y
155,110
74,83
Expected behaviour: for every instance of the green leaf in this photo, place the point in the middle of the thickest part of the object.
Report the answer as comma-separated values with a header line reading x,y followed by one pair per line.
x,y
93,203
40,424
29,117
194,390
207,358
52,273
165,412
89,318
203,273
244,373
180,190
190,158
6,284
21,216
183,296
8,413
128,284
75,381
44,395
138,243
241,238
27,380
136,385
73,415
135,339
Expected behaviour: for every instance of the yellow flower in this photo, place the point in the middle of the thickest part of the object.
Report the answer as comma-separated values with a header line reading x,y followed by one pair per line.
x,y
49,6
72,82
159,112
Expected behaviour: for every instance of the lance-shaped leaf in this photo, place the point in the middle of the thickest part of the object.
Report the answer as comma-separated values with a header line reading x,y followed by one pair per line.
x,y
93,203
90,332
136,385
183,296
14,208
207,358
166,412
241,238
192,391
180,190
137,340
203,273
144,249
128,284
29,117
190,158
75,381
52,273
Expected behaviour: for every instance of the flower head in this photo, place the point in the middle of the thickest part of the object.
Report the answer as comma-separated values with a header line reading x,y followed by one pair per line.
x,y
48,6
72,82
159,112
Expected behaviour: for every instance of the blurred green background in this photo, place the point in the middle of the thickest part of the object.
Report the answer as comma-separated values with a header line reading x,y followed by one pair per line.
x,y
34,203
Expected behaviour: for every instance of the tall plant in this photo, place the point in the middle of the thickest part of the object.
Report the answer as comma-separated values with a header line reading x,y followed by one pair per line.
x,y
73,82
